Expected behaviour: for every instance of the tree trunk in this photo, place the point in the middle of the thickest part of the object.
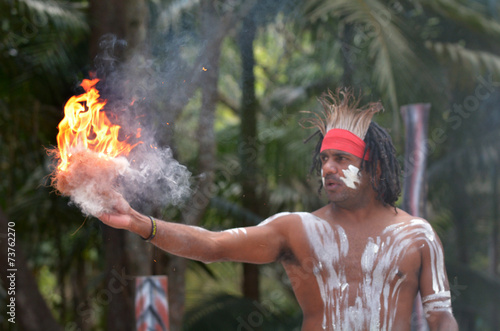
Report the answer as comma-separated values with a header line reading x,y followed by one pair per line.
x,y
30,310
114,16
249,143
119,303
78,284
494,250
460,209
206,146
495,229
349,54
127,20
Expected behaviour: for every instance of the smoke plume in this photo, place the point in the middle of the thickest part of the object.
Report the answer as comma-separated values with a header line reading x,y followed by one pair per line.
x,y
147,177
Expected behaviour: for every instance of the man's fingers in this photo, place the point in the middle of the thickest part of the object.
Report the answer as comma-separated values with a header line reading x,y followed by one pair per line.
x,y
104,218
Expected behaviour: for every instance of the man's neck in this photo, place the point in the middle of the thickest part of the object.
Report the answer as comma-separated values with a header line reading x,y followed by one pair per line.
x,y
359,213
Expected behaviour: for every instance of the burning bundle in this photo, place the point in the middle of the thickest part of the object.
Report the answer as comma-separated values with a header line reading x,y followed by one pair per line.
x,y
93,169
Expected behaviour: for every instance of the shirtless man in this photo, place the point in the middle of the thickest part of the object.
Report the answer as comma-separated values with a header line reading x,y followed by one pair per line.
x,y
355,264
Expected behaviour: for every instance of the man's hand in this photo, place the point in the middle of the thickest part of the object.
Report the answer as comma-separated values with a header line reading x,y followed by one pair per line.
x,y
121,217
118,221
125,217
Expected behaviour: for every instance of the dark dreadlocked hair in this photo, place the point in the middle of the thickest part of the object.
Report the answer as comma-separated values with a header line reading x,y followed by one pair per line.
x,y
382,152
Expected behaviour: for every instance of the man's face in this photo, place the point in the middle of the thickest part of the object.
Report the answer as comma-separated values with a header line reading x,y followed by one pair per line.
x,y
342,179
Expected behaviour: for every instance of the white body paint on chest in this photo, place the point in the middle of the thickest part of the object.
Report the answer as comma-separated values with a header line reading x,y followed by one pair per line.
x,y
376,296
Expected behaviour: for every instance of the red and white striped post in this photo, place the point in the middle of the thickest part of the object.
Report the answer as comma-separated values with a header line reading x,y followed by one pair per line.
x,y
151,303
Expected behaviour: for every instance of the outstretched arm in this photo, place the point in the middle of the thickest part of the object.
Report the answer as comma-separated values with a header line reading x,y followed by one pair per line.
x,y
257,244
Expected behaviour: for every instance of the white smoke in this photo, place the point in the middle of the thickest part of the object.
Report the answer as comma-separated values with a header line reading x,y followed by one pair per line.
x,y
95,182
156,178
137,95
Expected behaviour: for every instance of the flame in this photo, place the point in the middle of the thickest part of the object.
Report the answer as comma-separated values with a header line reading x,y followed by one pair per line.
x,y
86,127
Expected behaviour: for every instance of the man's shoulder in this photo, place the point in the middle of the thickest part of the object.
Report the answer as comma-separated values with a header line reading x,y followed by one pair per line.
x,y
323,213
282,217
408,224
403,217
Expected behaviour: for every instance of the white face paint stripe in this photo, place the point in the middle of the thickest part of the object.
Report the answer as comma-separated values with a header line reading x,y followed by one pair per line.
x,y
351,176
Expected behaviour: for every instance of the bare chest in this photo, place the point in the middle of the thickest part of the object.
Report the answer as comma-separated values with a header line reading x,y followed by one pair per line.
x,y
362,278
390,252
385,258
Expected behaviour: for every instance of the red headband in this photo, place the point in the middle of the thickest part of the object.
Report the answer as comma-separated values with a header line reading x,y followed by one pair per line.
x,y
345,141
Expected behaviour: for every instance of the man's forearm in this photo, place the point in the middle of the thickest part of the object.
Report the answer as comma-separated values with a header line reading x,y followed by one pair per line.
x,y
442,321
179,239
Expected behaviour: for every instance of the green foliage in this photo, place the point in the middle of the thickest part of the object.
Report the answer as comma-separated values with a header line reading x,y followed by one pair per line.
x,y
397,51
226,312
34,69
42,53
474,293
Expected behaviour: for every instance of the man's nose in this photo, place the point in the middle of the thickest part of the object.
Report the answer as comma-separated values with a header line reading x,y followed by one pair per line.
x,y
330,167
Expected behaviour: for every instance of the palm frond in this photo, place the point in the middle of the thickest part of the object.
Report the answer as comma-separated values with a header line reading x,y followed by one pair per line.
x,y
30,44
470,62
217,313
477,156
465,16
388,48
63,14
227,312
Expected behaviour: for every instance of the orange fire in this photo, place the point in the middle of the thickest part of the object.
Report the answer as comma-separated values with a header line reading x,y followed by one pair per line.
x,y
86,127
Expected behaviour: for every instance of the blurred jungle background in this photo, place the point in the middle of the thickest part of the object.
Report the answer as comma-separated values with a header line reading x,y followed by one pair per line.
x,y
223,84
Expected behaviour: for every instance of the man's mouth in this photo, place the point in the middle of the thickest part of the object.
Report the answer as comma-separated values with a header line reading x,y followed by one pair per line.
x,y
331,183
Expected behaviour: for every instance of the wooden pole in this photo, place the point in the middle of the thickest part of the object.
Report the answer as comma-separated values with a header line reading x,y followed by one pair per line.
x,y
415,117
